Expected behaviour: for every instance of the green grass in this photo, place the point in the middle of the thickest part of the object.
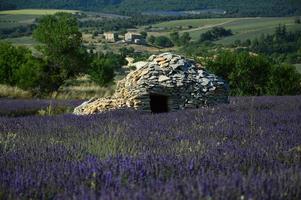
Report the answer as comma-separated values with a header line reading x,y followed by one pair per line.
x,y
10,21
35,12
298,67
192,22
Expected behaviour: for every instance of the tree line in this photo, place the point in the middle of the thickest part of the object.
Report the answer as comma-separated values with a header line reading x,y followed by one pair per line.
x,y
233,7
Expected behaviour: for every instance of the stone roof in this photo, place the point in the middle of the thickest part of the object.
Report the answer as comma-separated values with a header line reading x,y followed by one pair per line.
x,y
185,83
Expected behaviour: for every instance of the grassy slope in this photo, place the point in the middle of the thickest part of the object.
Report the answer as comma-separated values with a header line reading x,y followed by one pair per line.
x,y
243,28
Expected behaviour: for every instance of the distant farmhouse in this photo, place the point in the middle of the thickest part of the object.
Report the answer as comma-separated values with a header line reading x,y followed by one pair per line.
x,y
135,38
110,36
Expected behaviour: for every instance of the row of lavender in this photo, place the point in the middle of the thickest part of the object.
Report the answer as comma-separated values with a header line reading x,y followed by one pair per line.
x,y
250,149
23,107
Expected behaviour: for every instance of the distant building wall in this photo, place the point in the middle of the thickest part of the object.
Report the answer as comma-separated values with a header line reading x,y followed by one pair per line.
x,y
132,37
110,37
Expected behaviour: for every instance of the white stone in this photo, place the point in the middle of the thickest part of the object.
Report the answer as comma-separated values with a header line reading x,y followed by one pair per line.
x,y
163,78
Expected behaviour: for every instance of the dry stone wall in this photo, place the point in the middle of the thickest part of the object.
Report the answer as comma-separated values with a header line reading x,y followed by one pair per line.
x,y
185,83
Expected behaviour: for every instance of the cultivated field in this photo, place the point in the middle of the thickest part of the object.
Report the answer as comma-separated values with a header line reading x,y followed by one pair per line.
x,y
15,18
249,149
243,28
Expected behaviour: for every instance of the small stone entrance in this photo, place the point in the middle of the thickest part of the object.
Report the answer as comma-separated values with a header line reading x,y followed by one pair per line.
x,y
158,103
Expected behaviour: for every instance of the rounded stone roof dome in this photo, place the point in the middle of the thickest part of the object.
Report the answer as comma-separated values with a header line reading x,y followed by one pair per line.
x,y
167,79
169,70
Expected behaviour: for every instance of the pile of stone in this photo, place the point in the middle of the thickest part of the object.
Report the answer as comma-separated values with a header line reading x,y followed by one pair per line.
x,y
185,83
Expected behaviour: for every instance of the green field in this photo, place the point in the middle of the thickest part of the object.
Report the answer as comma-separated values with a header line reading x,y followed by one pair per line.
x,y
243,28
16,18
35,12
11,21
195,23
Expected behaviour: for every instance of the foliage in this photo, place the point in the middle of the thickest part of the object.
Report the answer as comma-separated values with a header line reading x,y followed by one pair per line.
x,y
102,69
62,47
249,74
215,34
124,51
283,45
185,38
178,40
11,58
30,74
284,80
163,41
175,38
249,149
151,39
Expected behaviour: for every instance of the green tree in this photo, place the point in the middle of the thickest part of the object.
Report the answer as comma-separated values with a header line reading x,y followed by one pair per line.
x,y
102,71
250,75
62,47
103,67
11,58
163,41
185,38
247,74
175,38
30,74
124,51
284,80
151,39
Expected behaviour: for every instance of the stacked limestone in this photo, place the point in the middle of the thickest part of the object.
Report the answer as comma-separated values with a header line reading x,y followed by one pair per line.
x,y
184,82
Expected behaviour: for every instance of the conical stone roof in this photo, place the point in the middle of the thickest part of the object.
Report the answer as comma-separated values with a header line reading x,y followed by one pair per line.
x,y
185,83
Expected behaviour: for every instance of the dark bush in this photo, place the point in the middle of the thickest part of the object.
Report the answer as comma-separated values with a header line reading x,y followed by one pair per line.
x,y
250,74
284,80
102,69
163,41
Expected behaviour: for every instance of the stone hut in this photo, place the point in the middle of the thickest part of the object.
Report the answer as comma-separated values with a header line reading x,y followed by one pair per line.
x,y
166,82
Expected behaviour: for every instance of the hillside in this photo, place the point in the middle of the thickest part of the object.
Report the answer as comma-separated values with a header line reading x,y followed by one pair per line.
x,y
232,7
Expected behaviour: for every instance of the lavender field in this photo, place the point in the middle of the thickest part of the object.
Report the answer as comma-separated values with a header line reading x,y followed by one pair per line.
x,y
249,149
24,107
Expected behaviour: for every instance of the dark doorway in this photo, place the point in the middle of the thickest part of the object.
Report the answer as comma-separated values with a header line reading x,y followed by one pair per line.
x,y
158,103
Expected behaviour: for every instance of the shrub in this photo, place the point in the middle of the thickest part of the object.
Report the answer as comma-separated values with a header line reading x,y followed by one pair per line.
x,y
11,58
254,74
163,41
284,80
29,75
151,39
215,33
102,69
